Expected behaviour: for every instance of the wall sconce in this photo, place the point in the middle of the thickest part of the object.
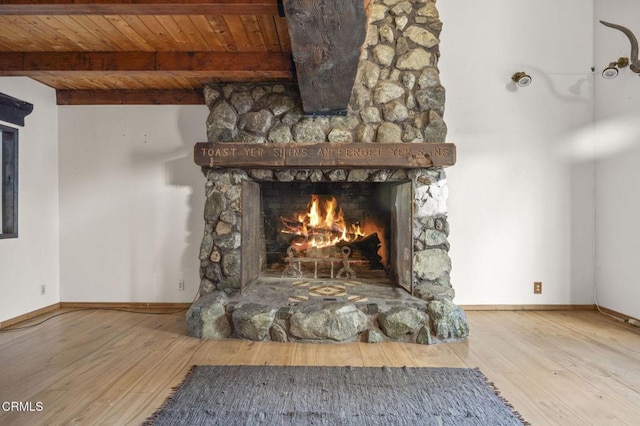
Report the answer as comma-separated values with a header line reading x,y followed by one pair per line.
x,y
611,71
522,79
634,64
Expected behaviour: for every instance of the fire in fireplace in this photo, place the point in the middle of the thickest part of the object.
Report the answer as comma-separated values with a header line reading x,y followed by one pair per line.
x,y
328,230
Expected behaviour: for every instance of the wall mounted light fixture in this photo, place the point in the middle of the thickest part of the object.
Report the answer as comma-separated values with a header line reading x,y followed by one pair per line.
x,y
522,79
611,71
634,64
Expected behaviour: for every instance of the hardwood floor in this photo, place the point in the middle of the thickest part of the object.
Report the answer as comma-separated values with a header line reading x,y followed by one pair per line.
x,y
108,367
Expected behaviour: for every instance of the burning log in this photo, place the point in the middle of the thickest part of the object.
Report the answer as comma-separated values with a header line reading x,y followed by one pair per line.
x,y
366,248
298,228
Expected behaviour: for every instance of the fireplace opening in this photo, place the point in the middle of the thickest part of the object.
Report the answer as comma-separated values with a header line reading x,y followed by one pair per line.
x,y
328,231
325,229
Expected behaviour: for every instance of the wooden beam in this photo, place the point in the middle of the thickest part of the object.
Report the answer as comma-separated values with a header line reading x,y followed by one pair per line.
x,y
138,7
326,39
325,155
25,63
130,97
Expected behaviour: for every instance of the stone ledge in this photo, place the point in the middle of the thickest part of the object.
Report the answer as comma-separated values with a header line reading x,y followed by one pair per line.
x,y
213,316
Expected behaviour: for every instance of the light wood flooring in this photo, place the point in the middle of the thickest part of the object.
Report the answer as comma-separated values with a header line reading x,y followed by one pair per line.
x,y
107,367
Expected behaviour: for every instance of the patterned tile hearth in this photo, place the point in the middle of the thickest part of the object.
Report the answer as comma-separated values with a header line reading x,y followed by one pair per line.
x,y
374,288
326,290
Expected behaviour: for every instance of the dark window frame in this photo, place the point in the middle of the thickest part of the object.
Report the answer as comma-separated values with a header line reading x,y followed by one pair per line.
x,y
12,111
9,182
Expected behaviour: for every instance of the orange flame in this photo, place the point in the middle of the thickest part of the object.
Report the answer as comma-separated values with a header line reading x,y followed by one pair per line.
x,y
323,225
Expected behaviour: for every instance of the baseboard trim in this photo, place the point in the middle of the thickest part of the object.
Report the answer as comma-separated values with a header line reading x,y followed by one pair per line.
x,y
528,307
618,315
134,306
29,315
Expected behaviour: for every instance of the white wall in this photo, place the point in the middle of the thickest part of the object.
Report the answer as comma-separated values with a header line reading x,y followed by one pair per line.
x,y
521,193
617,139
32,259
131,202
521,196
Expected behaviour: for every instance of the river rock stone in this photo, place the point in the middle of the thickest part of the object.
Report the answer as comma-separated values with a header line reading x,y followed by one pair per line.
x,y
370,73
230,264
430,292
449,320
242,102
431,264
252,321
207,319
258,122
331,320
389,133
395,111
280,134
213,206
221,124
387,91
340,136
374,336
308,131
401,320
415,59
421,36
278,333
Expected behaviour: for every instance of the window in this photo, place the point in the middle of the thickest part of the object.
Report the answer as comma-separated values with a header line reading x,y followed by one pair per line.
x,y
9,182
12,111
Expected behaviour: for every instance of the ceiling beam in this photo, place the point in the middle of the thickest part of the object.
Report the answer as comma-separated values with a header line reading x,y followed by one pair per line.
x,y
130,97
276,65
139,7
327,38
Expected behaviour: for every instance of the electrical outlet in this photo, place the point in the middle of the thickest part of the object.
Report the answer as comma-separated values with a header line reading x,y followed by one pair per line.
x,y
537,287
43,289
181,285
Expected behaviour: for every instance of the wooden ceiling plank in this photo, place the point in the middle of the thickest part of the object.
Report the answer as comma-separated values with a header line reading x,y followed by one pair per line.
x,y
119,23
254,32
283,33
18,32
192,32
149,36
45,32
130,97
221,29
208,33
239,33
138,7
154,25
180,34
116,38
93,25
269,33
75,31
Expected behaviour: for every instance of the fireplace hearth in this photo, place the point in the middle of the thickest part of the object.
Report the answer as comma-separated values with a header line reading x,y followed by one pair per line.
x,y
378,269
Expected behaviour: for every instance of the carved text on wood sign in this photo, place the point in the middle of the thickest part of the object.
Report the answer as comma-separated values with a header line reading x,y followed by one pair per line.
x,y
325,155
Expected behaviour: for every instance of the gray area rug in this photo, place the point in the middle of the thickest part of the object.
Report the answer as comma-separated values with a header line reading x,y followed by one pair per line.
x,y
268,395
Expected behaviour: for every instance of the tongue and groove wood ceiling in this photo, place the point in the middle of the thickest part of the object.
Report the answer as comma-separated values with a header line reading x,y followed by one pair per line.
x,y
143,51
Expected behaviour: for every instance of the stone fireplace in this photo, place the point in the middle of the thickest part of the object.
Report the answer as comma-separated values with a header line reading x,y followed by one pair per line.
x,y
270,268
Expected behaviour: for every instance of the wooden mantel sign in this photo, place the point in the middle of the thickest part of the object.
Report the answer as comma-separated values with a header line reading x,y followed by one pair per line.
x,y
325,155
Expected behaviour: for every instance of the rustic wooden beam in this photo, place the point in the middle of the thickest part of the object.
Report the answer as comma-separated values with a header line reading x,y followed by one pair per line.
x,y
138,7
327,37
325,155
13,110
24,63
130,97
